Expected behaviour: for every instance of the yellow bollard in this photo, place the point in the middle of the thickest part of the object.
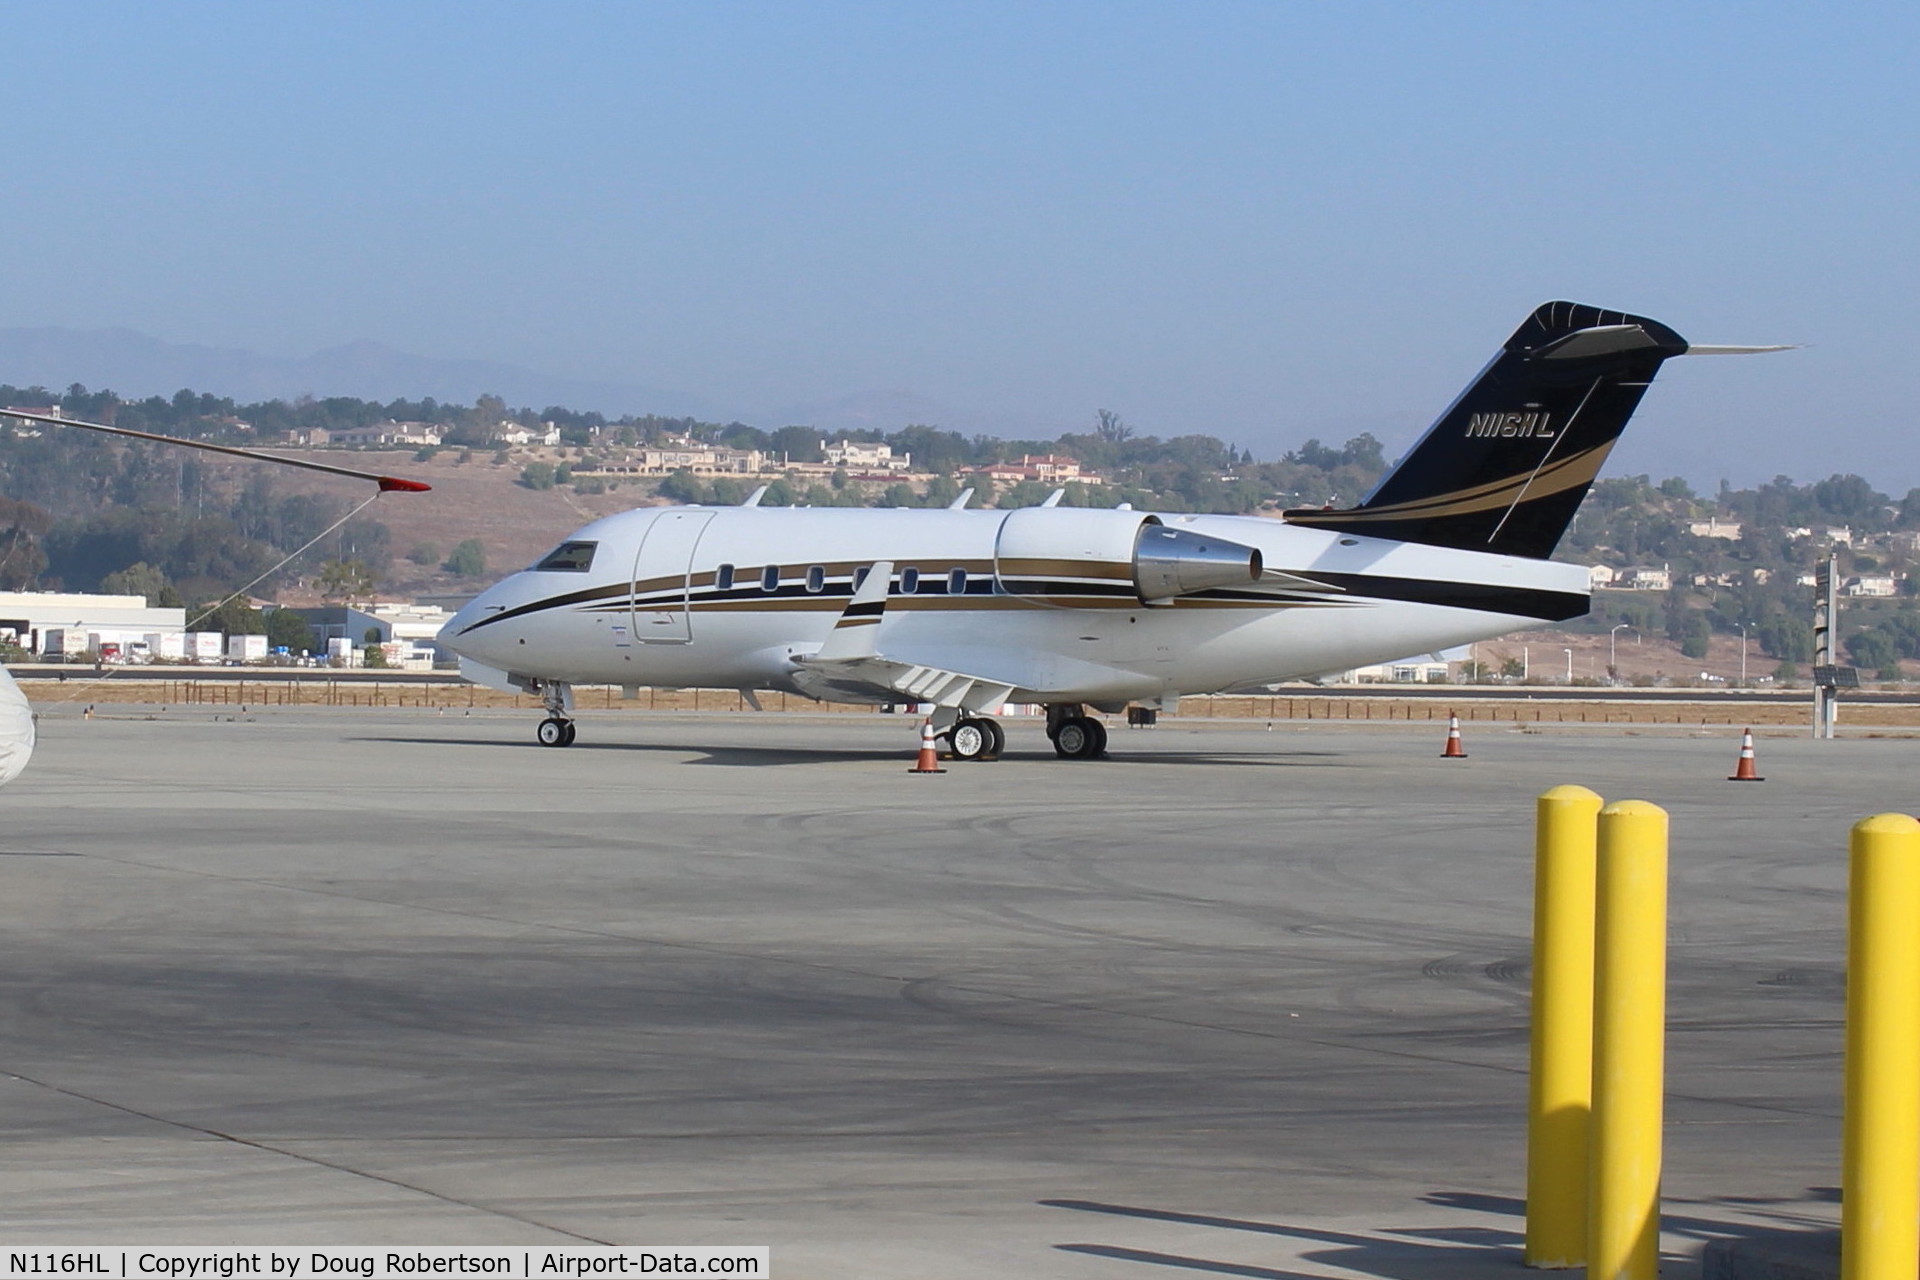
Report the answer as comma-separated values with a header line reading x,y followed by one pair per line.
x,y
1880,1146
1560,1079
1629,1039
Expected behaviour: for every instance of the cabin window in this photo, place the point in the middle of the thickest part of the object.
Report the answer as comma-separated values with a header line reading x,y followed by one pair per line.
x,y
770,578
816,580
957,582
860,576
569,557
723,577
909,581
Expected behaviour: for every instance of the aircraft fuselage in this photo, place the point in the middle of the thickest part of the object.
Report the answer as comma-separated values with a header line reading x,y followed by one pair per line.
x,y
1046,601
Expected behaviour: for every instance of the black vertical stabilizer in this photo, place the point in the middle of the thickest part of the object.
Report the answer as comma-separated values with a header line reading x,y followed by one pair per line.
x,y
1505,467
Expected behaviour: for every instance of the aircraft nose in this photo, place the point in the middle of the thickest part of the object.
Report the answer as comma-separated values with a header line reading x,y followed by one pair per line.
x,y
457,634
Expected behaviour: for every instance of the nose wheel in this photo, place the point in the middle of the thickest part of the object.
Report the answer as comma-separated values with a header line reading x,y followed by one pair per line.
x,y
556,732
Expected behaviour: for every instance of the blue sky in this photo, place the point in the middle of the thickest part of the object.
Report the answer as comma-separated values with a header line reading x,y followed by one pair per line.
x,y
1259,221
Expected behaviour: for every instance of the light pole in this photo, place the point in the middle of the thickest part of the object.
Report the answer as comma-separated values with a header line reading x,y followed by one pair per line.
x,y
1611,636
1569,654
1743,652
1526,664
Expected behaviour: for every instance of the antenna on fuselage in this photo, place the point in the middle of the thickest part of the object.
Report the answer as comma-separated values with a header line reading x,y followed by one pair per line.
x,y
1053,499
753,499
960,503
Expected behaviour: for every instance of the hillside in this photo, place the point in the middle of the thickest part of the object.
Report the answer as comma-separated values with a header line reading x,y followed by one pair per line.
x,y
476,499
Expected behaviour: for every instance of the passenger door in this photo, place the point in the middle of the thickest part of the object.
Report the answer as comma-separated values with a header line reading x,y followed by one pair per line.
x,y
662,575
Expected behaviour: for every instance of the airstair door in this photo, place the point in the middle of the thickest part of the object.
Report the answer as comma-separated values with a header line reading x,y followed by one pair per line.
x,y
662,577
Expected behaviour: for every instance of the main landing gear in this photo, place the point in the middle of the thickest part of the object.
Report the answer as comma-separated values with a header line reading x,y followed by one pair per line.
x,y
558,729
1076,735
976,738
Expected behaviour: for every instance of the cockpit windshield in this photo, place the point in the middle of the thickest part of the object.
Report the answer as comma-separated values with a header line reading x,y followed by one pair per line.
x,y
569,557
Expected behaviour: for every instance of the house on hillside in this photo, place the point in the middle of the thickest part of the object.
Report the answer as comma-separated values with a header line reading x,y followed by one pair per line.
x,y
394,434
513,433
1051,468
1646,578
859,455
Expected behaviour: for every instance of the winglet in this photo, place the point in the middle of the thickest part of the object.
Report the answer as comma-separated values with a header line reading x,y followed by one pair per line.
x,y
853,635
960,502
753,499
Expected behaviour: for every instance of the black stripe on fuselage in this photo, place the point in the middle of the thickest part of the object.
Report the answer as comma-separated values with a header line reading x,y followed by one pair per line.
x,y
1524,602
587,596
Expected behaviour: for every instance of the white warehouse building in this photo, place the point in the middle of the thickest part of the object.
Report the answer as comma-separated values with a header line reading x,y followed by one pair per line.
x,y
26,618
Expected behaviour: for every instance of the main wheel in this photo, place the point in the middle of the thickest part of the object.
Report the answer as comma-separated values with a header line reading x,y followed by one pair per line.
x,y
554,732
1080,738
970,739
999,744
573,731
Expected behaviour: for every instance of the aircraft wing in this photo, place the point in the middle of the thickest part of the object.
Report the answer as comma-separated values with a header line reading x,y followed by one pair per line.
x,y
850,663
884,678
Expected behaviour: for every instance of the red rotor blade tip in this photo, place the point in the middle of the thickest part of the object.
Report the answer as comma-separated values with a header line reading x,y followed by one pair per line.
x,y
389,484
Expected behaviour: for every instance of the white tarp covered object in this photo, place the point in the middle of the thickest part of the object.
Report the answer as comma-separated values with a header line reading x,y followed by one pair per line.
x,y
16,729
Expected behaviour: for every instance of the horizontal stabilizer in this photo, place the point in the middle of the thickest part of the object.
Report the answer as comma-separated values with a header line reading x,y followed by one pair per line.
x,y
388,484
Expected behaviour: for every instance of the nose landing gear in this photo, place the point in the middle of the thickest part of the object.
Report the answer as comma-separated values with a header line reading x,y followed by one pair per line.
x,y
558,729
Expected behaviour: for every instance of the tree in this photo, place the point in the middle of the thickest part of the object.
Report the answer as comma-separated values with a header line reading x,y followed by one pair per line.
x,y
142,579
537,475
344,580
682,486
1111,427
469,559
288,629
424,553
1871,649
233,618
796,444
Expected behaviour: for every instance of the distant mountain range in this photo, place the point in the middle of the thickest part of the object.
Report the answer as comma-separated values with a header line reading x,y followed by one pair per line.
x,y
136,365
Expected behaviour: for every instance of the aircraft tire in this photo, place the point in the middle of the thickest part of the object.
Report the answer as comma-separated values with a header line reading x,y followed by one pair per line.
x,y
1080,738
999,734
970,739
554,732
573,731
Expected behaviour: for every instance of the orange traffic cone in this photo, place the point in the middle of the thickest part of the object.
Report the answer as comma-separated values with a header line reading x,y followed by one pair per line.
x,y
1744,771
929,761
1453,751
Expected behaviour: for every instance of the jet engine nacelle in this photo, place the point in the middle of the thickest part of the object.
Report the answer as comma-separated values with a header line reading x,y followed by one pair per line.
x,y
1076,558
1177,562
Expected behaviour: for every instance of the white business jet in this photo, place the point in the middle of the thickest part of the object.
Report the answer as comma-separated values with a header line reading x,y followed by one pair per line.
x,y
1078,609
1071,608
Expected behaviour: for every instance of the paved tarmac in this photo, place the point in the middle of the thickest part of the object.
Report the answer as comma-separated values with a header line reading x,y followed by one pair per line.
x,y
1234,1002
